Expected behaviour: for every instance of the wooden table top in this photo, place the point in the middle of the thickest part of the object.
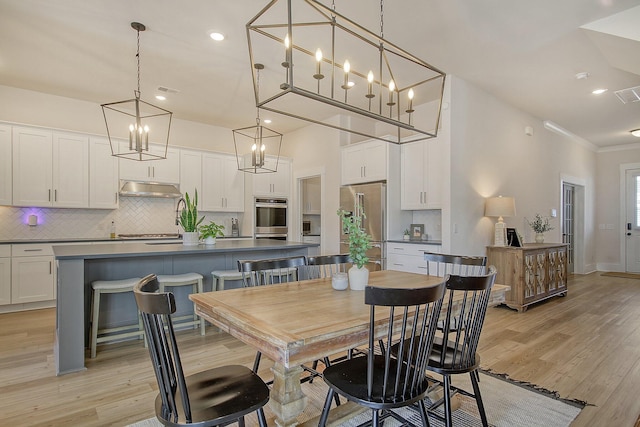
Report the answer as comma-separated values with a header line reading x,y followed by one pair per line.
x,y
298,322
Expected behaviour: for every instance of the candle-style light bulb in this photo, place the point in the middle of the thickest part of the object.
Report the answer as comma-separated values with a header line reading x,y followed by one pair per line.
x,y
346,67
392,87
370,86
318,75
287,43
410,95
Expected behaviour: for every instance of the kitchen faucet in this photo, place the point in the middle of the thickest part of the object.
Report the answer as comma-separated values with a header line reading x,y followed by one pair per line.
x,y
184,204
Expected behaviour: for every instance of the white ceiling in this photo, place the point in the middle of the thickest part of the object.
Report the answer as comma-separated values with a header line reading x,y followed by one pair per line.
x,y
524,52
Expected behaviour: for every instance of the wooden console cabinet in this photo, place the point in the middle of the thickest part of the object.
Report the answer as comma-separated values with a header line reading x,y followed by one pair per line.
x,y
534,272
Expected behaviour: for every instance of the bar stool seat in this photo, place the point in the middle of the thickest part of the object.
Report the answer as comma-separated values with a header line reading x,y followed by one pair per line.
x,y
186,279
219,276
98,288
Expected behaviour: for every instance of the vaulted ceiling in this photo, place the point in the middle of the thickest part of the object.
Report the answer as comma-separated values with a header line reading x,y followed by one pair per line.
x,y
525,53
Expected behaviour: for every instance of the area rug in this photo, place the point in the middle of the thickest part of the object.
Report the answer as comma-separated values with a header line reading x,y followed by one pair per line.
x,y
507,403
621,274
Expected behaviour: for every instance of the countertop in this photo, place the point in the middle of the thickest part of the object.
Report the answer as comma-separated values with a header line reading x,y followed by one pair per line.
x,y
97,251
417,242
101,239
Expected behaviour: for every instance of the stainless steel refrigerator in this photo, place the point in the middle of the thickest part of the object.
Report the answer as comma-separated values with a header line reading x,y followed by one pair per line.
x,y
373,199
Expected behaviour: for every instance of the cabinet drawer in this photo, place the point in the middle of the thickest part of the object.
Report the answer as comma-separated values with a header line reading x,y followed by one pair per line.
x,y
5,251
31,250
407,263
411,248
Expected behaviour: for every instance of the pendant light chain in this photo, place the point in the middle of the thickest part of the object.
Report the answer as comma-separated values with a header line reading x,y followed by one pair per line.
x,y
138,58
258,90
382,19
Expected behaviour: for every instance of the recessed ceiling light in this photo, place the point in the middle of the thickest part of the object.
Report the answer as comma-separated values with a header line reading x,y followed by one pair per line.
x,y
599,91
582,76
267,121
216,36
351,84
161,97
635,132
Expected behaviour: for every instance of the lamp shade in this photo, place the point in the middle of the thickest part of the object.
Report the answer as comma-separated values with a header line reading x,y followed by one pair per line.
x,y
500,206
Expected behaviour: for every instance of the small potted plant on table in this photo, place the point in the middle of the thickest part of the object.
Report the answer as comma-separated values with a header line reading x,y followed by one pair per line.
x,y
210,231
540,225
359,243
189,220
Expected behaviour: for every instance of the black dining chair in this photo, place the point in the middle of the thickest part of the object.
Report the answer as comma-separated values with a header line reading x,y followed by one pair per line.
x,y
382,382
214,397
461,265
468,299
323,266
268,272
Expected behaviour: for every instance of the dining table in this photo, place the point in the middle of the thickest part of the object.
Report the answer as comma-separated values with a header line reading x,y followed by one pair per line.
x,y
296,323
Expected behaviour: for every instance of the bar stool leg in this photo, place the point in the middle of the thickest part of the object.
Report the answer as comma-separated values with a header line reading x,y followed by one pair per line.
x,y
95,309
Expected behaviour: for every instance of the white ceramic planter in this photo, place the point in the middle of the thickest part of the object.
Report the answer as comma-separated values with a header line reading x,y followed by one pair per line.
x,y
210,241
190,238
358,278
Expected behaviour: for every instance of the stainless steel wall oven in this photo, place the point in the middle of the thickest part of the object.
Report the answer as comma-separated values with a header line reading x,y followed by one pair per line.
x,y
271,219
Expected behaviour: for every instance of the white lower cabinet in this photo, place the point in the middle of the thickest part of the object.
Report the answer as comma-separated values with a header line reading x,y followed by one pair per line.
x,y
5,274
409,257
32,273
312,239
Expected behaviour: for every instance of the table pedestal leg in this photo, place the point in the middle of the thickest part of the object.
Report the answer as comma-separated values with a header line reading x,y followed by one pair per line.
x,y
286,400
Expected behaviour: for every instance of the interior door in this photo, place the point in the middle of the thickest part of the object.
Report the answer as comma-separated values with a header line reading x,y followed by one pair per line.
x,y
632,221
568,222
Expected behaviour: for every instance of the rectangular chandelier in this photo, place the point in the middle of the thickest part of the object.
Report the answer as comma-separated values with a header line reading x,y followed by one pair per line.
x,y
324,68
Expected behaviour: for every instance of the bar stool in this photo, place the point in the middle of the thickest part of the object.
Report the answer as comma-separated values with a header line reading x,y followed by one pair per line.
x,y
98,288
219,276
187,279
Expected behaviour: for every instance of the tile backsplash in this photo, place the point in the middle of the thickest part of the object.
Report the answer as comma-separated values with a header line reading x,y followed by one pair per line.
x,y
432,220
135,215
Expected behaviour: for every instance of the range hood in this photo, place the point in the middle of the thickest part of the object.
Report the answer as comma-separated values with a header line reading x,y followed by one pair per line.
x,y
149,189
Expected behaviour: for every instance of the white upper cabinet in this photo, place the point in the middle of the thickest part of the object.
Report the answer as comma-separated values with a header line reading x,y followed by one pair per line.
x,y
191,174
70,170
5,165
164,170
421,181
103,175
275,184
222,183
311,197
50,169
364,162
219,183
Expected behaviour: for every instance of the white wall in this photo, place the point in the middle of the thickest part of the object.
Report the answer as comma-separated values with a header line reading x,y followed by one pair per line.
x,y
491,155
35,108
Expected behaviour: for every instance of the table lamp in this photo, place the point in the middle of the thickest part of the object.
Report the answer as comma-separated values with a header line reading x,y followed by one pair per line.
x,y
500,207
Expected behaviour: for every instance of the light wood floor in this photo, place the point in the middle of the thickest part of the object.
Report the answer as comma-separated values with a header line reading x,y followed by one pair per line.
x,y
585,346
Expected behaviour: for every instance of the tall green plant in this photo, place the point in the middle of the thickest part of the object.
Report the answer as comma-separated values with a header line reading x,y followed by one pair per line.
x,y
359,240
189,214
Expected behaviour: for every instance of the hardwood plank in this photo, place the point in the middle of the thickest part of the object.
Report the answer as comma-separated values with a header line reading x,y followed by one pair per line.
x,y
584,345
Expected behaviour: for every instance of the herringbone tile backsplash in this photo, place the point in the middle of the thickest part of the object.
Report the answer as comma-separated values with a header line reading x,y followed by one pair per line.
x,y
135,215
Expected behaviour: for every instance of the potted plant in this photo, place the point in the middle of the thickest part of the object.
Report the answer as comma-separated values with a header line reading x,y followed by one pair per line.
x,y
540,225
359,243
210,231
189,220
406,235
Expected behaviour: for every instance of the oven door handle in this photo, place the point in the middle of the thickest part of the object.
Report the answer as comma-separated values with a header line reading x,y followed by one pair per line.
x,y
267,236
270,205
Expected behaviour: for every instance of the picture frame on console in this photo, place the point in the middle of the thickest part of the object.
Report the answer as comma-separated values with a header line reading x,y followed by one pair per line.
x,y
513,238
417,230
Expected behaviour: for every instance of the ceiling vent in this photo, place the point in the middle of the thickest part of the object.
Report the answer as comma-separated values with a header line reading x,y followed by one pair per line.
x,y
167,89
627,96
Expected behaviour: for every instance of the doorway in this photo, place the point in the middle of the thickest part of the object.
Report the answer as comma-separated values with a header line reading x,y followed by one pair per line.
x,y
632,220
568,222
310,225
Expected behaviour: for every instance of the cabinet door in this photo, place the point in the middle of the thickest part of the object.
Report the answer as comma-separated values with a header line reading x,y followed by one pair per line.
x,y
233,185
103,175
273,184
191,175
5,281
352,164
433,175
70,170
32,167
375,165
165,170
212,182
5,166
281,179
32,279
133,169
311,199
412,178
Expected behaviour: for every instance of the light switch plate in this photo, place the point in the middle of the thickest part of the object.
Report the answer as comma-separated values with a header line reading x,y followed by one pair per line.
x,y
554,213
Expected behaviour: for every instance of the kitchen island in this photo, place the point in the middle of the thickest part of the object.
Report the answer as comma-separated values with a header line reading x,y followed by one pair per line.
x,y
79,265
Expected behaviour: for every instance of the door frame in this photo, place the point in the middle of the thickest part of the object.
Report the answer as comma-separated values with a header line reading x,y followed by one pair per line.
x,y
624,167
579,219
297,213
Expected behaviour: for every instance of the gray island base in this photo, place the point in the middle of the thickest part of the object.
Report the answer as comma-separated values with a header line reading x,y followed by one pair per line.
x,y
79,265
